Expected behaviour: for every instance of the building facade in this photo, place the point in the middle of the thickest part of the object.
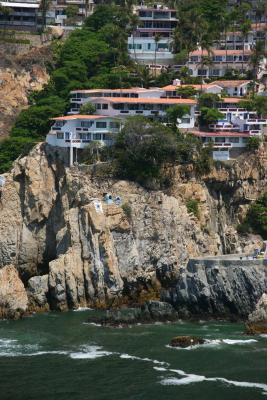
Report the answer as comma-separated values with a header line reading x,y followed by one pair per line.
x,y
151,41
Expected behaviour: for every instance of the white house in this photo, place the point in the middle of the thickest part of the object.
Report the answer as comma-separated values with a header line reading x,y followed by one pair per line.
x,y
77,131
80,97
219,62
149,107
171,90
156,22
237,88
225,145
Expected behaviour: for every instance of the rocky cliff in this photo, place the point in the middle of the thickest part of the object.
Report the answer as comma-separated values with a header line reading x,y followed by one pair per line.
x,y
20,74
72,249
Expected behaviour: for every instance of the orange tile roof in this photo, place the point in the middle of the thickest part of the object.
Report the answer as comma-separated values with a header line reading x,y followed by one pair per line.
x,y
145,100
219,52
130,90
216,134
79,116
229,84
232,100
204,86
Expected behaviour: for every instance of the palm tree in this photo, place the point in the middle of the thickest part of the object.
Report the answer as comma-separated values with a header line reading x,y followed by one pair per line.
x,y
245,28
134,21
258,53
260,11
44,7
156,40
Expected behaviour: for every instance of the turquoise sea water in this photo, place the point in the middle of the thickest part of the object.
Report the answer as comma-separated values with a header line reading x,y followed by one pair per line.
x,y
60,356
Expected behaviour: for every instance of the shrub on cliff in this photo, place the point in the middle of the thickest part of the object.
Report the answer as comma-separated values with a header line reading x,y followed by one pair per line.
x,y
12,148
256,219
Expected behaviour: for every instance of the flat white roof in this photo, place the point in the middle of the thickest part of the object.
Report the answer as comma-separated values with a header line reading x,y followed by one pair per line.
x,y
24,5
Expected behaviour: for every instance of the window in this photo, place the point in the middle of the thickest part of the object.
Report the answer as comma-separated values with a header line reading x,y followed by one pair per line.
x,y
59,123
85,136
98,106
194,58
234,140
114,125
185,120
104,106
218,58
97,136
219,140
244,140
202,72
215,72
86,124
101,124
60,135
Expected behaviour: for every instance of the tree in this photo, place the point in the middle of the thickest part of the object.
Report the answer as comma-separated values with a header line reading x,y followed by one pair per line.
x,y
87,108
71,12
257,216
156,40
44,7
176,113
208,100
258,54
209,116
134,21
91,153
186,92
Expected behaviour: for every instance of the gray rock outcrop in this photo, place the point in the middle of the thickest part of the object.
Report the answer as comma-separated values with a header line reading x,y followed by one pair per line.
x,y
218,288
257,320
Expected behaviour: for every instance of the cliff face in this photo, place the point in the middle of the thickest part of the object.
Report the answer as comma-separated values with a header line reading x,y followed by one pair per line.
x,y
218,287
72,249
20,74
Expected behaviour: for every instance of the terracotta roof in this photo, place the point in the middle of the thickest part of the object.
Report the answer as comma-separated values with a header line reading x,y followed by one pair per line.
x,y
219,52
130,90
79,116
145,100
228,84
197,87
231,100
219,134
260,26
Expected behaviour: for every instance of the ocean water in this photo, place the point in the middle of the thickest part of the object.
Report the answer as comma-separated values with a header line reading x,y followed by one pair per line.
x,y
62,357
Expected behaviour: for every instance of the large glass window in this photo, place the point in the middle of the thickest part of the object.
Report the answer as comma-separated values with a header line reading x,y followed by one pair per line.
x,y
97,136
87,124
101,124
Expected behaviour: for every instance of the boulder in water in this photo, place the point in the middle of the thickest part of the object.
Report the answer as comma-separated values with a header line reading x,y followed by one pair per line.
x,y
186,341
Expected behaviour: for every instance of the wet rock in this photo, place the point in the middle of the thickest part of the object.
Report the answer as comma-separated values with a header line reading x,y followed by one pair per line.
x,y
226,288
13,296
38,292
186,341
257,320
150,312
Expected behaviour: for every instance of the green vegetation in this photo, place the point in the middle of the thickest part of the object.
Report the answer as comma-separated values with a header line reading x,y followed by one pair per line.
x,y
256,219
192,207
253,143
92,56
87,108
186,92
10,149
127,210
145,151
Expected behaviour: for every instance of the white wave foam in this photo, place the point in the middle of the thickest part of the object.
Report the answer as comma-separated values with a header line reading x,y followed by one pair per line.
x,y
130,357
91,323
160,369
264,335
90,353
232,341
192,378
83,309
215,343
